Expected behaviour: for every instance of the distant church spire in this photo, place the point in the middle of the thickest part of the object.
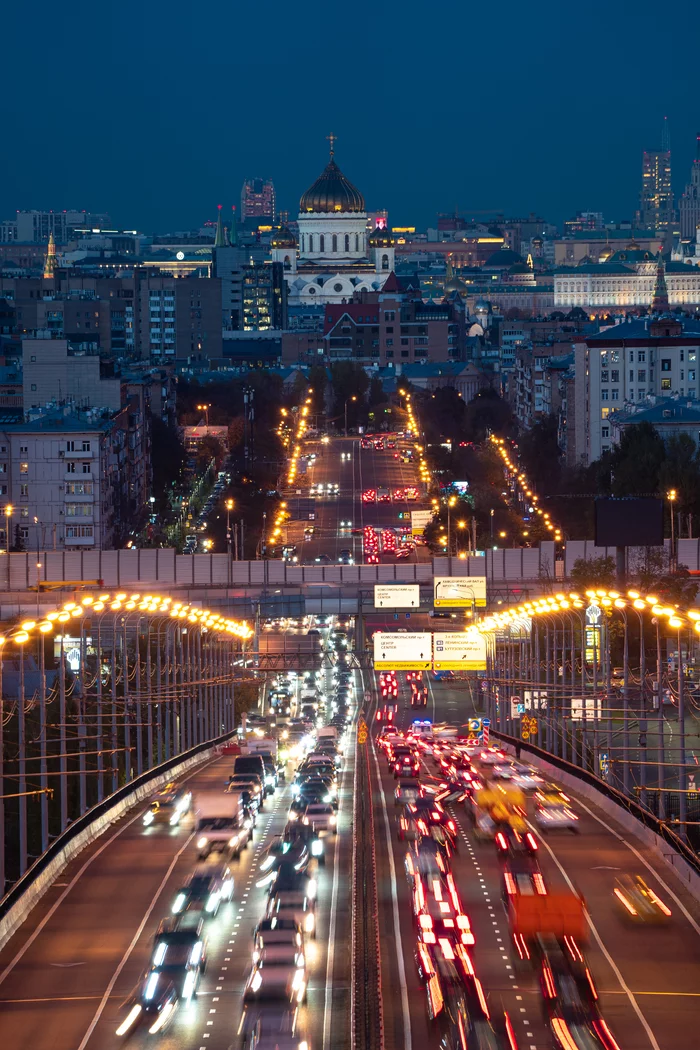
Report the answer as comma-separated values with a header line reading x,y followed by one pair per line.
x,y
50,258
233,232
219,240
659,302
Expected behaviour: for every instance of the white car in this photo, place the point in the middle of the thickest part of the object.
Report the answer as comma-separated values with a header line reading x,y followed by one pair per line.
x,y
295,905
553,812
276,981
321,817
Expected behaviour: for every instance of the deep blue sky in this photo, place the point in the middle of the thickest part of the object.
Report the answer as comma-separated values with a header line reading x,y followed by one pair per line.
x,y
156,111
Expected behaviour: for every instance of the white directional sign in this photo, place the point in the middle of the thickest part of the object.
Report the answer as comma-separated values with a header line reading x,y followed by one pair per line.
x,y
457,651
459,592
396,596
419,519
399,651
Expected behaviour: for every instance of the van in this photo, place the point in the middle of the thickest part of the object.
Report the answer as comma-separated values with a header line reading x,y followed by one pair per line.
x,y
246,764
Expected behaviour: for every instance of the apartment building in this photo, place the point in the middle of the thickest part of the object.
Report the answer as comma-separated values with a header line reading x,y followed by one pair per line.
x,y
625,365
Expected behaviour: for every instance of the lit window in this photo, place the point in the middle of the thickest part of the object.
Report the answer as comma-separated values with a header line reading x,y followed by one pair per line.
x,y
24,468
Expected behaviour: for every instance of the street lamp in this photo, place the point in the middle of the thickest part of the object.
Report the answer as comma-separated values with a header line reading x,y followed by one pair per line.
x,y
353,398
450,504
492,514
205,409
672,497
229,508
8,526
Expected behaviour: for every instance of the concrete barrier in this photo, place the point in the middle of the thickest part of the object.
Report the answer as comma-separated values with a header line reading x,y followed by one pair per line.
x,y
37,886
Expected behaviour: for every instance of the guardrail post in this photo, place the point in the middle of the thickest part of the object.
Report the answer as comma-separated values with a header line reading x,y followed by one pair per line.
x,y
149,701
81,687
127,714
115,740
159,677
43,778
63,758
21,739
100,726
137,691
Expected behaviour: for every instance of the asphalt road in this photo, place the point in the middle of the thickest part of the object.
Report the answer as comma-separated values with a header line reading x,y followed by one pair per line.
x,y
648,977
343,462
65,973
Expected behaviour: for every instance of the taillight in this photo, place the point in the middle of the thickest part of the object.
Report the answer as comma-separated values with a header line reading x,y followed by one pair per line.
x,y
549,982
531,841
510,1033
605,1035
590,981
501,841
463,922
482,997
539,884
510,883
425,922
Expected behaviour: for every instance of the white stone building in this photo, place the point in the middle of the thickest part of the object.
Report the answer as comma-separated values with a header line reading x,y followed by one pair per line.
x,y
625,280
335,255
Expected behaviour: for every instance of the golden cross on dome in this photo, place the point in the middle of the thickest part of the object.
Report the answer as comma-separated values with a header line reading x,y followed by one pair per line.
x,y
332,138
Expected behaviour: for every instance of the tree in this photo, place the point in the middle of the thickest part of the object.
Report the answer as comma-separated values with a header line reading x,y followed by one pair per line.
x,y
541,455
318,382
487,413
167,457
590,572
208,448
18,544
634,466
376,392
348,380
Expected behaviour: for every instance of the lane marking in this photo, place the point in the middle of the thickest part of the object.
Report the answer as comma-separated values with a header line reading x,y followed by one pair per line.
x,y
54,907
646,864
405,1009
613,965
110,987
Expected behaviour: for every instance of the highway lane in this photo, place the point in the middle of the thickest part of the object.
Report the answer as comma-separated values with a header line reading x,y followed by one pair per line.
x,y
343,462
65,973
648,977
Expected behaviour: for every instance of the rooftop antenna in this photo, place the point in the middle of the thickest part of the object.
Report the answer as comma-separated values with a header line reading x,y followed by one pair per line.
x,y
665,137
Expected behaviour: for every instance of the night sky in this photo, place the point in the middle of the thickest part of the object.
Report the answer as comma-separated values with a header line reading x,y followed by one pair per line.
x,y
155,112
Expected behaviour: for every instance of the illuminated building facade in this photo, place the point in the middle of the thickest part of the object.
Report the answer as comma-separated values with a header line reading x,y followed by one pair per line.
x,y
258,204
335,255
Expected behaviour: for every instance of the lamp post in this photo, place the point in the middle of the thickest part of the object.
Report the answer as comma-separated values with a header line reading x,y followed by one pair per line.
x,y
672,496
229,508
205,409
677,625
347,400
492,514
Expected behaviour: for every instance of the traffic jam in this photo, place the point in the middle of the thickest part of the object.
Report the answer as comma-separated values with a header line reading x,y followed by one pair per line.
x,y
451,789
394,542
294,769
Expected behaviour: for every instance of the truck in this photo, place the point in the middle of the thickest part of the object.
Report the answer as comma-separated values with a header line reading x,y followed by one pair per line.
x,y
496,806
540,920
222,824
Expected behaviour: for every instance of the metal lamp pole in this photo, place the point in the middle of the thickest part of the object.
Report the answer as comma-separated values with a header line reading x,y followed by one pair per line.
x,y
353,398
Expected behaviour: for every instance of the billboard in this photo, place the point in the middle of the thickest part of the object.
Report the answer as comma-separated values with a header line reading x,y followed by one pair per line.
x,y
419,519
402,651
592,707
633,522
396,596
458,651
459,592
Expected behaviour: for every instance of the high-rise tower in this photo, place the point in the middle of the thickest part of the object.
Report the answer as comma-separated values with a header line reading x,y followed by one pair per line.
x,y
50,258
258,202
656,198
689,204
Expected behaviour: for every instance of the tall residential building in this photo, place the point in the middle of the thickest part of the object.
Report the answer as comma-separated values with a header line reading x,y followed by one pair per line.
x,y
656,199
258,202
689,204
264,297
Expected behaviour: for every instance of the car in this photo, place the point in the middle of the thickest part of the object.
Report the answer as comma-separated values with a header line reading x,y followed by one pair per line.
x,y
169,806
309,532
424,858
282,939
569,996
439,913
553,812
296,905
383,495
153,1003
369,496
321,817
407,790
345,556
204,890
406,765
510,843
283,849
275,981
179,952
638,902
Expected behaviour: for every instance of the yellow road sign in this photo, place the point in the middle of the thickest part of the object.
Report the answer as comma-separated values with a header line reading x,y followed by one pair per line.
x,y
525,735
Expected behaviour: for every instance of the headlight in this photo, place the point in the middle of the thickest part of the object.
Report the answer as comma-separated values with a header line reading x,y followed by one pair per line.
x,y
188,986
175,819
179,903
201,843
129,1020
309,922
213,902
148,818
331,820
316,848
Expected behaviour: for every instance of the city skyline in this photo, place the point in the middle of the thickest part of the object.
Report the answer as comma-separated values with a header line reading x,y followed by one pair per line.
x,y
428,127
